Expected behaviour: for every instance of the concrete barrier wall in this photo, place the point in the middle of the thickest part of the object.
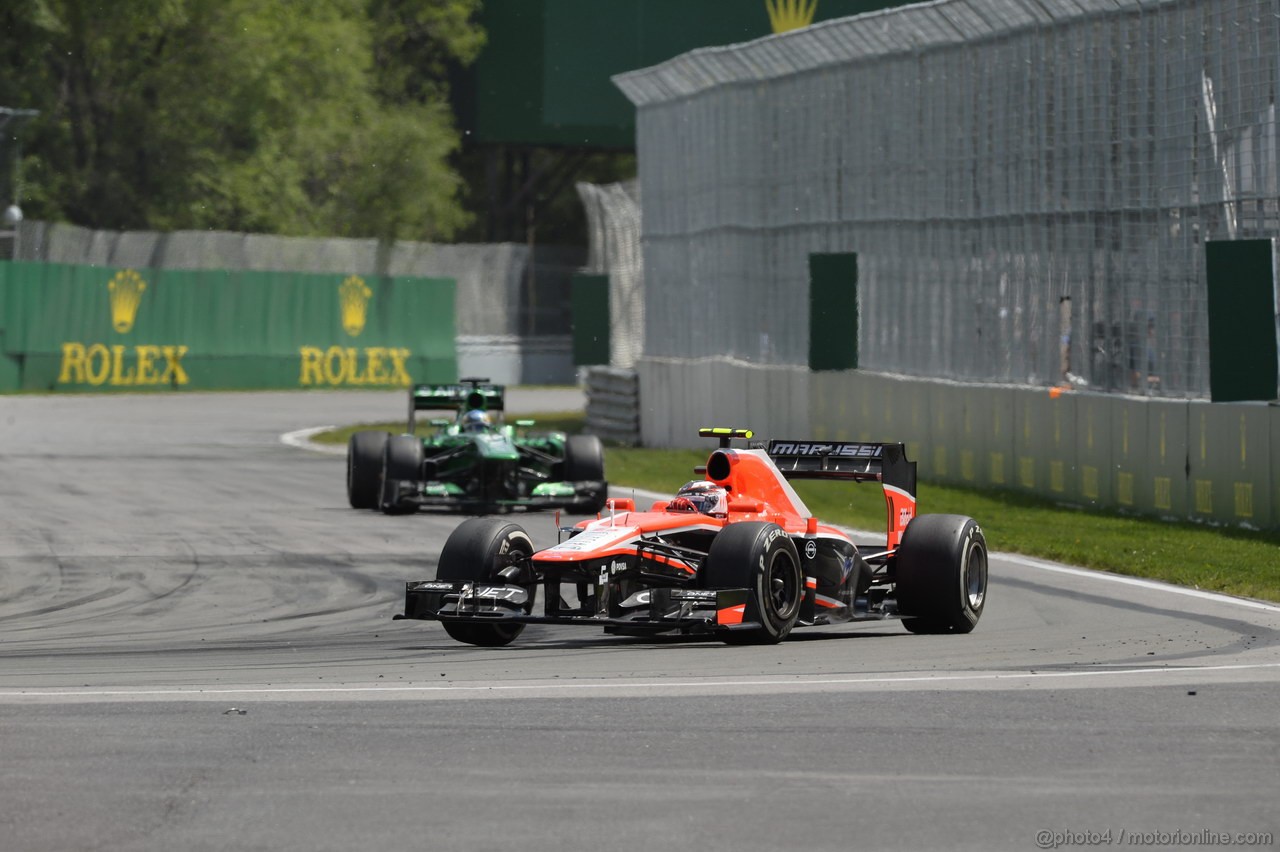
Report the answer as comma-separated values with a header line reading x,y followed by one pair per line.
x,y
677,397
1189,460
514,360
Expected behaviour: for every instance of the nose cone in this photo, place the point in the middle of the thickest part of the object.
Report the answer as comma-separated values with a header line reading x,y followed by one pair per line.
x,y
604,537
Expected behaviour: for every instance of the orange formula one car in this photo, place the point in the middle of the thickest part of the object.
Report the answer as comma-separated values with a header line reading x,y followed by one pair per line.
x,y
736,554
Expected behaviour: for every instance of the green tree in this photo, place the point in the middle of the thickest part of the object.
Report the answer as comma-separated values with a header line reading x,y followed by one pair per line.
x,y
287,117
417,45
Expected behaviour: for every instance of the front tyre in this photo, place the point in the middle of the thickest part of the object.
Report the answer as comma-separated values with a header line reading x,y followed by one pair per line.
x,y
364,468
762,558
942,574
476,551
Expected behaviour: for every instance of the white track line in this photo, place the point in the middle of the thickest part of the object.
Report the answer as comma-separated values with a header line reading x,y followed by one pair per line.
x,y
301,439
1154,585
641,685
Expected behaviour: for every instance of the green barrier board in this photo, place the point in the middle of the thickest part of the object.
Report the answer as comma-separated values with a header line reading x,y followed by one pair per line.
x,y
833,312
589,297
1242,332
76,328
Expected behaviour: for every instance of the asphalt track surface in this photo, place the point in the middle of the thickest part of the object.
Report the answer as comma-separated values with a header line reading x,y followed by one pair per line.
x,y
197,653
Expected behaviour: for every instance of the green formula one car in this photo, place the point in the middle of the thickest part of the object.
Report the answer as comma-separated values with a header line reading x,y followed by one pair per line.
x,y
473,462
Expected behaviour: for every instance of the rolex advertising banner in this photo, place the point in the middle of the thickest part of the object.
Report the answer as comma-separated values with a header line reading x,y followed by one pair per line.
x,y
76,328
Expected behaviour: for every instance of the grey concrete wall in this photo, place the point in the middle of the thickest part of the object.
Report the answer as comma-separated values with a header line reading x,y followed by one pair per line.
x,y
1187,460
678,397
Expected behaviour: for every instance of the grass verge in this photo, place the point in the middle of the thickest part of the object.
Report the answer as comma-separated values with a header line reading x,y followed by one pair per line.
x,y
1230,560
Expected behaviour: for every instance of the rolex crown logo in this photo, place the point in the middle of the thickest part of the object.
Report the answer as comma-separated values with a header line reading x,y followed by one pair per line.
x,y
786,15
125,293
354,295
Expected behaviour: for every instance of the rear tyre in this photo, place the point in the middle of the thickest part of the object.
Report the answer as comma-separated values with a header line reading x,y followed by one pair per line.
x,y
364,468
584,462
402,459
942,574
763,559
475,552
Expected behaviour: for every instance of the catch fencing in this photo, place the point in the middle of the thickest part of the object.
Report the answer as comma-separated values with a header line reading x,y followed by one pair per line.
x,y
613,221
1028,186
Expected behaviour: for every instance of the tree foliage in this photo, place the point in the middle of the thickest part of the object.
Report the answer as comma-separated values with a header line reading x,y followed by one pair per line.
x,y
327,117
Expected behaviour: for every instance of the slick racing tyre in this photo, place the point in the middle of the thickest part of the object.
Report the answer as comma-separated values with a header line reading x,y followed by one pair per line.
x,y
942,574
475,552
401,462
761,558
364,468
584,462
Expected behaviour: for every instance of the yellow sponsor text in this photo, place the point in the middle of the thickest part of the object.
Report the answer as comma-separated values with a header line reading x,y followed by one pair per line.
x,y
98,364
373,366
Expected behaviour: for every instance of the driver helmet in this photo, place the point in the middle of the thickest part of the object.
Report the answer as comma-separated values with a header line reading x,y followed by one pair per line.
x,y
706,497
475,421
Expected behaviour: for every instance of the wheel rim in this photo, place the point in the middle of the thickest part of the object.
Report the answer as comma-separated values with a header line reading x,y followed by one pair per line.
x,y
784,586
515,553
976,578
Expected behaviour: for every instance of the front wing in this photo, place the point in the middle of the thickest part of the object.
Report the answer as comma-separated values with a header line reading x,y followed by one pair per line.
x,y
654,610
555,495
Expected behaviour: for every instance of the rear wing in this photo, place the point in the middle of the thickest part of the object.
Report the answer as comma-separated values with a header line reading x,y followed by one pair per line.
x,y
465,395
861,462
858,462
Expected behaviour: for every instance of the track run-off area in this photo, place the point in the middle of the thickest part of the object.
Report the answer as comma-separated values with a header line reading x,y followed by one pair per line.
x,y
197,652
